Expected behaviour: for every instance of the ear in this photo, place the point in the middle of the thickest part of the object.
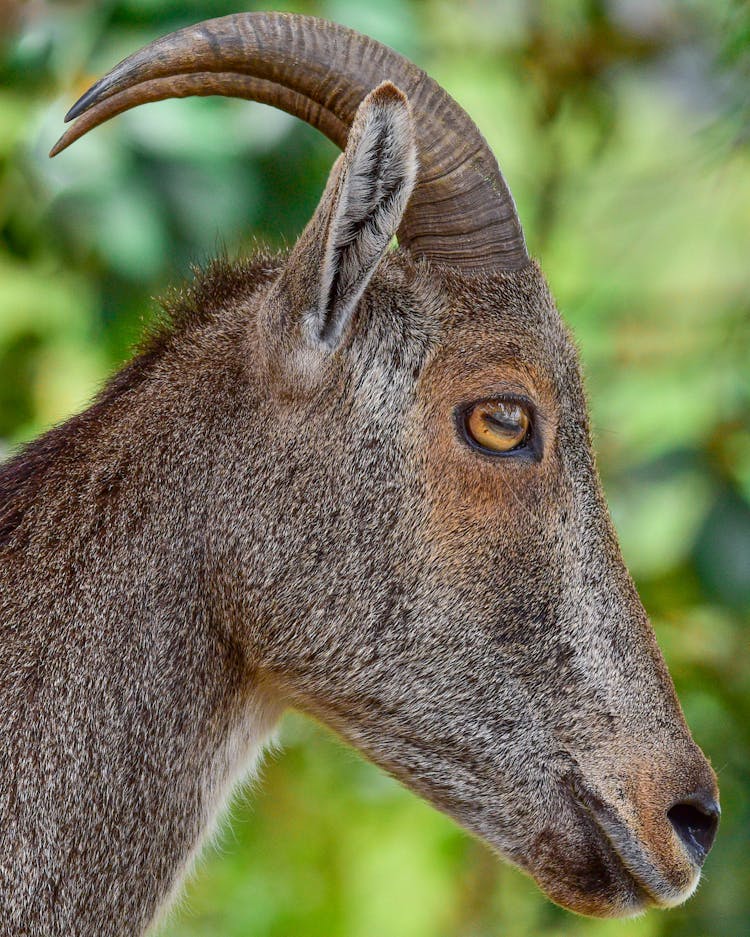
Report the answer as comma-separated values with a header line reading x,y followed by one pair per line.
x,y
358,215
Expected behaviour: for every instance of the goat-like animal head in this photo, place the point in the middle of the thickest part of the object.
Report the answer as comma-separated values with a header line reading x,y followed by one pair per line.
x,y
407,526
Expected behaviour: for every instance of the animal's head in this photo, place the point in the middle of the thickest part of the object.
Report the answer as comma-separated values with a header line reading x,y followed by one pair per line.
x,y
415,541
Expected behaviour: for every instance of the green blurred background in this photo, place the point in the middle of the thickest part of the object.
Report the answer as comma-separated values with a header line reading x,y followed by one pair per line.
x,y
623,128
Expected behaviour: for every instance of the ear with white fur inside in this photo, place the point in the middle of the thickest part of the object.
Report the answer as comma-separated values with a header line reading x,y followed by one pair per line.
x,y
362,206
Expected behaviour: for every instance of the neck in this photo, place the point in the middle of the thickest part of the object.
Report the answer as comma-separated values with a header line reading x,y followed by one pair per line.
x,y
128,708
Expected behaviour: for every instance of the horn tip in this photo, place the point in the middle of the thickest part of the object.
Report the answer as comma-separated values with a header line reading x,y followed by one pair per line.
x,y
75,111
83,103
61,145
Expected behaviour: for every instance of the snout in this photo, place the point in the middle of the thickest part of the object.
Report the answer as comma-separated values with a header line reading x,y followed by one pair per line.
x,y
660,830
631,839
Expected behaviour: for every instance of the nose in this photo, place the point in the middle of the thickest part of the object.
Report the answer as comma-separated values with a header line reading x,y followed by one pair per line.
x,y
695,820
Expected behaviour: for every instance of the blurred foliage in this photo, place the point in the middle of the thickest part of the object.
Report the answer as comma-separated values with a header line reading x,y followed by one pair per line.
x,y
624,130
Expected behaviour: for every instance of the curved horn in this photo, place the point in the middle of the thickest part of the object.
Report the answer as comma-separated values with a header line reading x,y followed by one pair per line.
x,y
461,212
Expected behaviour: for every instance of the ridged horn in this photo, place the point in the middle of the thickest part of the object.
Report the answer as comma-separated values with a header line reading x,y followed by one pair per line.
x,y
461,213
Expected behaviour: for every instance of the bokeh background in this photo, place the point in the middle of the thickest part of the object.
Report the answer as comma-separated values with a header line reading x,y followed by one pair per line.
x,y
623,127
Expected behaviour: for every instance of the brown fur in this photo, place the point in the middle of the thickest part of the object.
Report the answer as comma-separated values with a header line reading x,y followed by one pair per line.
x,y
246,520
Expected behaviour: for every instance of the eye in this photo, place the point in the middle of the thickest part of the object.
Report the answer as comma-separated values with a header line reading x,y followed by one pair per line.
x,y
497,426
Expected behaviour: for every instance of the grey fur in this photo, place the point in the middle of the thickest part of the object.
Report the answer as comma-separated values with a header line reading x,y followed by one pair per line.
x,y
249,518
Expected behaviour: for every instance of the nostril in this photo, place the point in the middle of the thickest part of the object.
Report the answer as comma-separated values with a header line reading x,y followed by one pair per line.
x,y
695,821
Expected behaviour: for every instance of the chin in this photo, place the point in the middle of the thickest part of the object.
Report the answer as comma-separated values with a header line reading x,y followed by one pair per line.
x,y
588,874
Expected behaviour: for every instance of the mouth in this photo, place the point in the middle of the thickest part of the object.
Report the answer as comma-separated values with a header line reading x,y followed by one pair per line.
x,y
638,872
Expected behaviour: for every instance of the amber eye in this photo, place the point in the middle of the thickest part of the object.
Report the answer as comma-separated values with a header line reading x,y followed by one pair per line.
x,y
498,425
